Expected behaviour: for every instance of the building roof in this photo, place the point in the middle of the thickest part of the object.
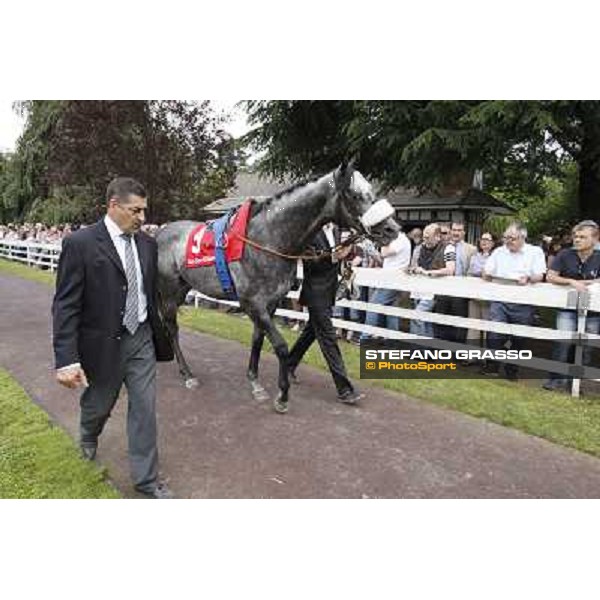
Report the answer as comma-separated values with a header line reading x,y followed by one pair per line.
x,y
247,185
473,199
252,185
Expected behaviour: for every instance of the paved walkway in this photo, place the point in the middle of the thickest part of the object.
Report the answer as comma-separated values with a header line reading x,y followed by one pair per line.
x,y
217,442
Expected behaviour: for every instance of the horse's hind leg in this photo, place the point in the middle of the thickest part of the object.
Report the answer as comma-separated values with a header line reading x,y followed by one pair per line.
x,y
169,305
258,391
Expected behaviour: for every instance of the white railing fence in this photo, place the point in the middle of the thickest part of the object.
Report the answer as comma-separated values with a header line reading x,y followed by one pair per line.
x,y
31,253
540,294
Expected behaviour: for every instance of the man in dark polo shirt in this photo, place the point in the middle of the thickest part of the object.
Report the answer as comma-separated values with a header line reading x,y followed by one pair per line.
x,y
577,267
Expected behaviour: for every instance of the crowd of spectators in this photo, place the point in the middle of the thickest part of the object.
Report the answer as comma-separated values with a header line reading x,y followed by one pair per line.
x,y
570,258
35,232
41,233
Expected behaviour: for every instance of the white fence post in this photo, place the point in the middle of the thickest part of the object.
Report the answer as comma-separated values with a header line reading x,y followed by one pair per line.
x,y
582,305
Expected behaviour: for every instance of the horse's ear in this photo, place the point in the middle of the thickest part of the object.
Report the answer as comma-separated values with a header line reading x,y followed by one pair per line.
x,y
343,175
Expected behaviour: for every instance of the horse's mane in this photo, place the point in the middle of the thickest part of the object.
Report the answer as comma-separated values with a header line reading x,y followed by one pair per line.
x,y
289,190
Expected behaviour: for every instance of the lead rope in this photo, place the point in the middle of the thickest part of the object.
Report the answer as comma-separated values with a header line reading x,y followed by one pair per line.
x,y
314,256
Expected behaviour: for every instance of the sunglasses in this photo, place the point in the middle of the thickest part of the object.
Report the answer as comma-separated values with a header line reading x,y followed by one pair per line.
x,y
132,210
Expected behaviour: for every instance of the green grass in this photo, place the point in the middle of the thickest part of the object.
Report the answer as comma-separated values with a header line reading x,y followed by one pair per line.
x,y
21,270
38,459
557,417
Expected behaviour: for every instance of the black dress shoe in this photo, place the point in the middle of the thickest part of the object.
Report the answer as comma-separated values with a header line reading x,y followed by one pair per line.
x,y
350,397
511,374
88,452
554,386
490,369
160,491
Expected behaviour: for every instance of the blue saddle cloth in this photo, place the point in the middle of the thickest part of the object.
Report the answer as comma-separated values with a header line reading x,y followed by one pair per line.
x,y
219,226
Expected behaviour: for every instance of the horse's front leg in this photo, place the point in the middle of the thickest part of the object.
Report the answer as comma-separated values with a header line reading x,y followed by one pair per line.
x,y
280,404
258,391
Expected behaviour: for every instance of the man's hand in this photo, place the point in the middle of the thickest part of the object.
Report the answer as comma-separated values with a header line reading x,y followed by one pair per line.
x,y
72,378
342,253
580,286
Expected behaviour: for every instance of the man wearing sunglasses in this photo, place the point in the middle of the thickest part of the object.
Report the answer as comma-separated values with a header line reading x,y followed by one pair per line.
x,y
107,331
452,305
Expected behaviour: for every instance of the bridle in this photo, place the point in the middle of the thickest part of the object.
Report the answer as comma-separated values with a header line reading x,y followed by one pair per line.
x,y
375,214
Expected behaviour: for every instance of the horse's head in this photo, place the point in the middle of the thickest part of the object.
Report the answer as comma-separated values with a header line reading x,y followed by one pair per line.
x,y
356,207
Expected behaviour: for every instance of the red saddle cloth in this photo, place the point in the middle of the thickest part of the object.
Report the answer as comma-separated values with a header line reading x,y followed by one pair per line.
x,y
200,249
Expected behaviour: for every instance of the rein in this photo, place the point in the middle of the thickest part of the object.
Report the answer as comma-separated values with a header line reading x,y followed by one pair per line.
x,y
314,256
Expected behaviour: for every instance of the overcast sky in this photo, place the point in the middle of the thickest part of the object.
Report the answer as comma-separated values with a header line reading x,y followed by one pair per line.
x,y
11,124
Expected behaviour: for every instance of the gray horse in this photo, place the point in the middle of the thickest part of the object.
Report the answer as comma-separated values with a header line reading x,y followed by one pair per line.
x,y
283,224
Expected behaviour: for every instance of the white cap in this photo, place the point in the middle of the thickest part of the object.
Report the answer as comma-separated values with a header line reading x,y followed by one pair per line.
x,y
379,212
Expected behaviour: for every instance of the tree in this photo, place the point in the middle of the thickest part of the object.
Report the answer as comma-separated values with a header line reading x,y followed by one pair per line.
x,y
71,149
518,144
543,136
25,178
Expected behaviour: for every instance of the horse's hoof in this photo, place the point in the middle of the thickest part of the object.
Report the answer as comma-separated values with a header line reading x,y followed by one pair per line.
x,y
260,396
279,406
259,393
191,383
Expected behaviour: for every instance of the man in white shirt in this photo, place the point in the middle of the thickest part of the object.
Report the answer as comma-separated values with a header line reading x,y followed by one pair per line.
x,y
396,258
107,330
523,264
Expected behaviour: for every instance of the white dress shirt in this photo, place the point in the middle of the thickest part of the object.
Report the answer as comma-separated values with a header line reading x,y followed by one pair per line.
x,y
119,243
399,253
503,263
328,231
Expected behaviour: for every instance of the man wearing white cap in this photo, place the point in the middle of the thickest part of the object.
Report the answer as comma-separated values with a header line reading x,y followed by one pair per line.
x,y
396,258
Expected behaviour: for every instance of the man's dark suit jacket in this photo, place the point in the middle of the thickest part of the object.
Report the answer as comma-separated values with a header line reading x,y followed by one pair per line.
x,y
320,276
89,303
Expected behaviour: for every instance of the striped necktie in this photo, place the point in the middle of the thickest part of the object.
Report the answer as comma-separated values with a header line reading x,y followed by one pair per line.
x,y
131,319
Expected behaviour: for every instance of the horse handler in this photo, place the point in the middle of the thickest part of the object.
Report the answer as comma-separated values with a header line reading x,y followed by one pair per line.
x,y
318,294
107,331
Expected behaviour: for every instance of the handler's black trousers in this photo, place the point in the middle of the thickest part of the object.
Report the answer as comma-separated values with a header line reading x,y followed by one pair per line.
x,y
320,327
458,307
137,371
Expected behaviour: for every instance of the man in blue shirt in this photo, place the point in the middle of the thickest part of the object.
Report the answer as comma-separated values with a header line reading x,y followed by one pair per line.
x,y
578,267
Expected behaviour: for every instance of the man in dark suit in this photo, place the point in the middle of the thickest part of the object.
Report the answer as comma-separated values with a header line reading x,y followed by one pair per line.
x,y
107,330
319,287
